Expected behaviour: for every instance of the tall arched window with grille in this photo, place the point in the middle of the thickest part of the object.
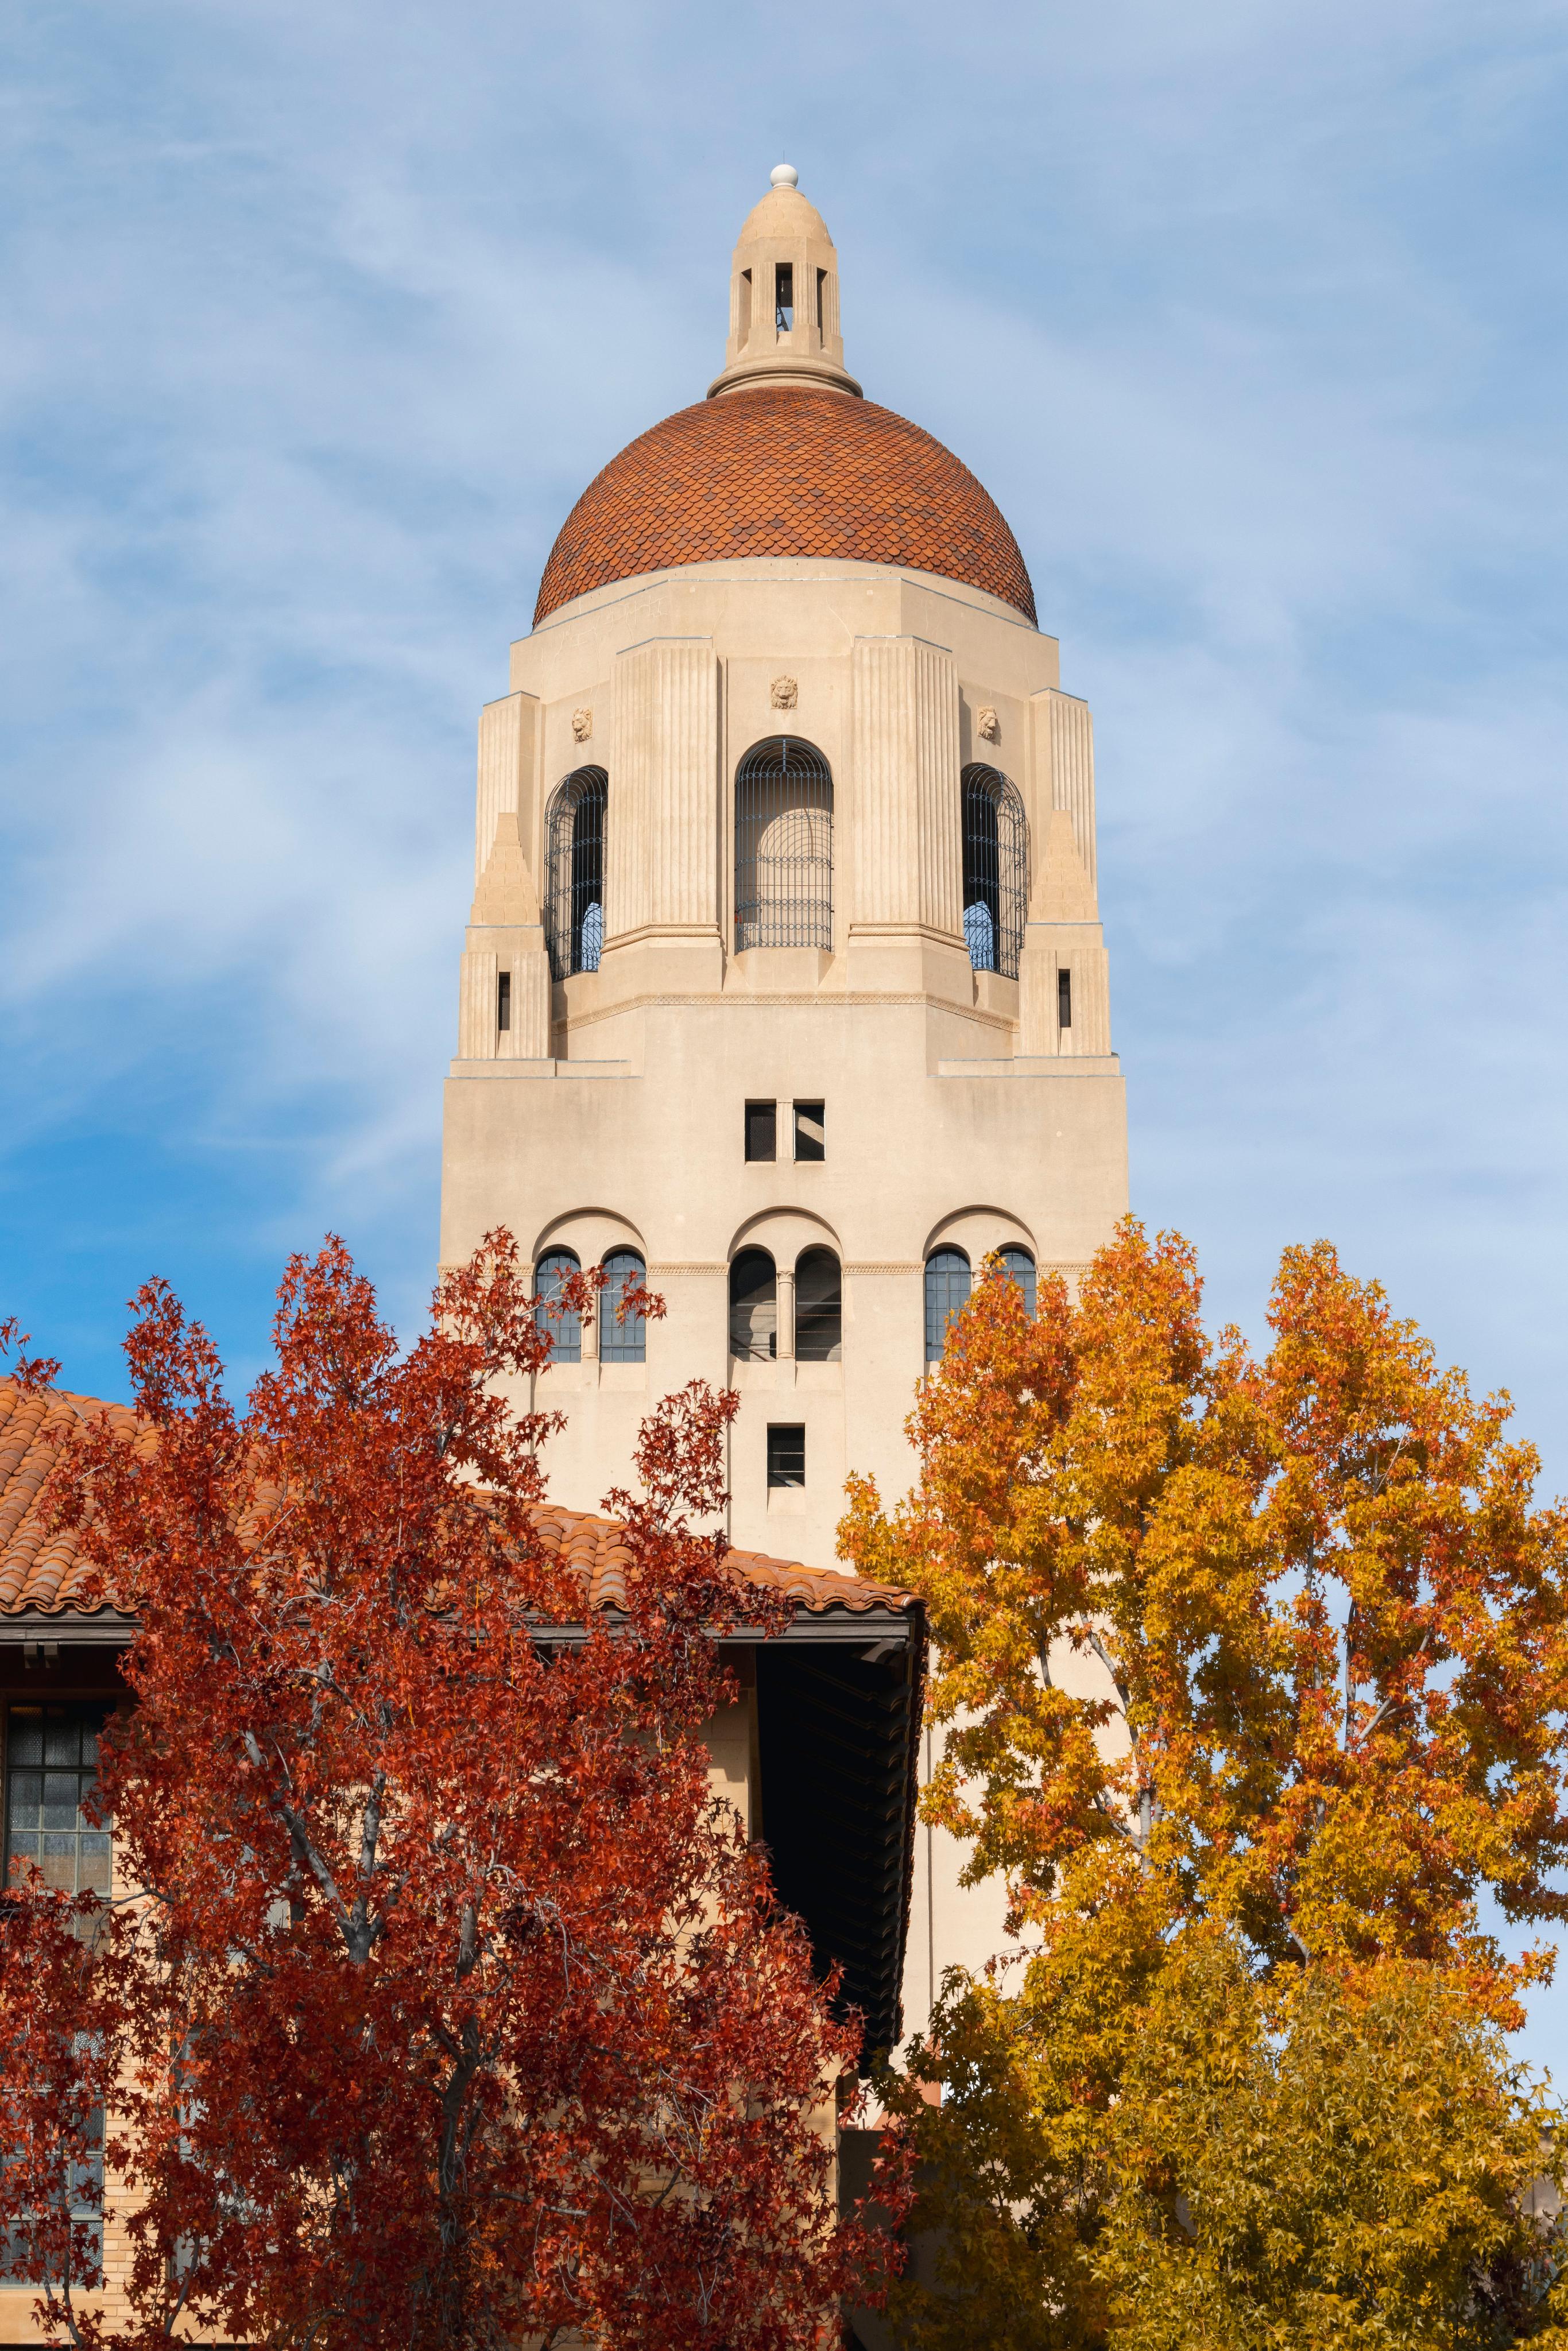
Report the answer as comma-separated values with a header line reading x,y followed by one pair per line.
x,y
783,846
947,1279
574,862
996,871
564,1324
622,1333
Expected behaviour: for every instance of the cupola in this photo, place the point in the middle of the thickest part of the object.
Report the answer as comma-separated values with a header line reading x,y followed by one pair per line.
x,y
784,298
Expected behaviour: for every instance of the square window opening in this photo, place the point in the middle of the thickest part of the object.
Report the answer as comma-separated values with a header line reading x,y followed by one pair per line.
x,y
811,1132
786,1455
762,1129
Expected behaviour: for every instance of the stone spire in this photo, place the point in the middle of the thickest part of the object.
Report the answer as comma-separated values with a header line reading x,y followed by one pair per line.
x,y
784,298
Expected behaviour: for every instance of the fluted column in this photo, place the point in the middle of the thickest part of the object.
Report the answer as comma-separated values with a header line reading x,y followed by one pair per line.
x,y
662,821
506,771
1062,764
906,820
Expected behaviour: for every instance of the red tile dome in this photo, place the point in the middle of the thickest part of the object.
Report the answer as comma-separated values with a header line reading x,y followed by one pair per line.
x,y
784,471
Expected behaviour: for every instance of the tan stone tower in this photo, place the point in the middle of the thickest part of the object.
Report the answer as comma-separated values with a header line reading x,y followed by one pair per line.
x,y
784,977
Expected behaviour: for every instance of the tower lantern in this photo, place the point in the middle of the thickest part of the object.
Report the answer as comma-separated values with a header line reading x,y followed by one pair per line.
x,y
784,298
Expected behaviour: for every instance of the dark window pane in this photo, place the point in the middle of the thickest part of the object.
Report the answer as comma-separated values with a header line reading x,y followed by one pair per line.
x,y
552,1274
43,1816
947,1293
24,1740
1019,1265
1064,1000
623,1338
811,1132
504,1001
762,1129
753,1307
574,869
996,871
819,1307
785,1456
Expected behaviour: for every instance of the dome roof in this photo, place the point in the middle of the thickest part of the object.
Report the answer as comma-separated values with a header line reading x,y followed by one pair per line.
x,y
784,470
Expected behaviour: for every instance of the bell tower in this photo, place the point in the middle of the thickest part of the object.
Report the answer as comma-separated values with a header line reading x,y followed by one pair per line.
x,y
784,988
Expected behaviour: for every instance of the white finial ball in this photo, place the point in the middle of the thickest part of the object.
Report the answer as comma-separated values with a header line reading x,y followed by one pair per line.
x,y
785,175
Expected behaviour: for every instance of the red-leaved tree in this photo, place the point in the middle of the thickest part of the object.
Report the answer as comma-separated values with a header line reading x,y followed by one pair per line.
x,y
452,2008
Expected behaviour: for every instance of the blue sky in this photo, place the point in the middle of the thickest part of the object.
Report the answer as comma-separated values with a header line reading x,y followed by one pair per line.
x,y
314,320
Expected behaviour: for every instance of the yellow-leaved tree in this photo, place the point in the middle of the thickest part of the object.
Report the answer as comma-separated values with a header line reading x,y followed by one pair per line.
x,y
1252,1677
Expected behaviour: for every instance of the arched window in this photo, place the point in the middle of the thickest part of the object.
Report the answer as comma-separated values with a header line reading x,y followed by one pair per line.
x,y
783,847
946,1291
1019,1265
753,1307
552,1274
623,1338
818,1307
574,866
996,872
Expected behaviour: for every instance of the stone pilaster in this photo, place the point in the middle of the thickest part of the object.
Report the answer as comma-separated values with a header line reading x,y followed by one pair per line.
x,y
1062,768
507,733
662,817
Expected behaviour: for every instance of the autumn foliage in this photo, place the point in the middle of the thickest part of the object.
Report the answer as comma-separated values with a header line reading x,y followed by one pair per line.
x,y
452,2010
1253,1677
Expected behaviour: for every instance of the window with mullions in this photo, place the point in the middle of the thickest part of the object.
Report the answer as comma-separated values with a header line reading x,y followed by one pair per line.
x,y
1019,1265
622,1337
783,847
32,2253
51,1765
996,872
947,1293
753,1307
574,867
552,1274
818,1307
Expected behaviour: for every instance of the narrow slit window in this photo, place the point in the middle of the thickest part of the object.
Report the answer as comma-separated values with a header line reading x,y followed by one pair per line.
x,y
1064,1000
504,1001
786,1455
744,323
822,297
811,1133
784,305
762,1129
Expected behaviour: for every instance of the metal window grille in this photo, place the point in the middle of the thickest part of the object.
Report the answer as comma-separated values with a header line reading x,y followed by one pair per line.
x,y
51,1766
1019,1265
996,872
783,847
551,1275
574,862
622,1337
786,1455
818,1307
753,1307
947,1293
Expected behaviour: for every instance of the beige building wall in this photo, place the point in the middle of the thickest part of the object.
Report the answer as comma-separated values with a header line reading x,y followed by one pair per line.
x,y
610,1113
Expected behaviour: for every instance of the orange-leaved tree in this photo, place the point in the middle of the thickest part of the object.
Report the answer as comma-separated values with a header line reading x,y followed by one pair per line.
x,y
1254,1676
450,2008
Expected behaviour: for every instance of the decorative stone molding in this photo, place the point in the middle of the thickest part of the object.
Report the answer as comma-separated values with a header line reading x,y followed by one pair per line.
x,y
582,726
988,724
784,694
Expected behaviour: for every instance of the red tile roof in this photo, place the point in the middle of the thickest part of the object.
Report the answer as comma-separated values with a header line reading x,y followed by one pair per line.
x,y
40,1573
785,471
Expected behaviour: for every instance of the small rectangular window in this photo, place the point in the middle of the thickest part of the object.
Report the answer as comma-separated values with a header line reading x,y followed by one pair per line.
x,y
821,285
1064,1000
810,1136
762,1129
784,317
504,1001
786,1455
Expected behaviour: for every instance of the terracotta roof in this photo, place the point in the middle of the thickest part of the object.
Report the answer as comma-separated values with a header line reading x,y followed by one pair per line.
x,y
40,1574
785,471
